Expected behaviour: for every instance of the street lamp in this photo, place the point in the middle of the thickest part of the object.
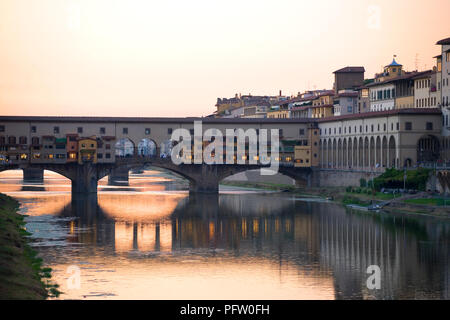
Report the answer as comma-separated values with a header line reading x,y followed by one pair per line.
x,y
404,178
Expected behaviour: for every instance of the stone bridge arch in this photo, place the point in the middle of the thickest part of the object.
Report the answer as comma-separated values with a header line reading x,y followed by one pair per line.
x,y
206,178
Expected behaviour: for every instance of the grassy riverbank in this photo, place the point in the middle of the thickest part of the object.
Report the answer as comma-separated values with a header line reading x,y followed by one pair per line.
x,y
420,203
21,273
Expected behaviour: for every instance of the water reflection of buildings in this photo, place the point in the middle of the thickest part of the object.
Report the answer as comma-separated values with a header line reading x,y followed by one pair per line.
x,y
408,251
320,239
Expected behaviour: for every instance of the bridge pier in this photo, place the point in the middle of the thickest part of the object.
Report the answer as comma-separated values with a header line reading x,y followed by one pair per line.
x,y
33,175
204,186
204,179
118,176
85,179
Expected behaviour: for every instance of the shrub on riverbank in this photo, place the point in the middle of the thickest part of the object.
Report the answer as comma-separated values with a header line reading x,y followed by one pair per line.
x,y
393,178
21,272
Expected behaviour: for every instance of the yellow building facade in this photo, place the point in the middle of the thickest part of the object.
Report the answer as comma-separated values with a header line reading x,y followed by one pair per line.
x,y
278,114
87,150
307,154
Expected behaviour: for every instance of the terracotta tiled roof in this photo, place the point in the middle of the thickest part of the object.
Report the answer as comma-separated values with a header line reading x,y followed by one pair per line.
x,y
383,113
427,73
350,69
406,76
326,93
348,94
444,41
311,106
148,120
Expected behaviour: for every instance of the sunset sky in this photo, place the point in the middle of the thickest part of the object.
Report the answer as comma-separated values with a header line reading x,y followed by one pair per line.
x,y
174,58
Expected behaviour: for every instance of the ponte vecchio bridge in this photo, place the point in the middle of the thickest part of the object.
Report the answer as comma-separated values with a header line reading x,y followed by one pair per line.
x,y
330,151
86,149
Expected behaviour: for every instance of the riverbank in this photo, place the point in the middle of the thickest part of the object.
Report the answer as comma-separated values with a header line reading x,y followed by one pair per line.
x,y
21,273
420,203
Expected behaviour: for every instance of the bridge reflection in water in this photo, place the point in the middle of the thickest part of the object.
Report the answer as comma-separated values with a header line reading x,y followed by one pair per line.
x,y
324,243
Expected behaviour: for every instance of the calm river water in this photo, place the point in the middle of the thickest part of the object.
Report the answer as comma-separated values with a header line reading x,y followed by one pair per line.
x,y
151,240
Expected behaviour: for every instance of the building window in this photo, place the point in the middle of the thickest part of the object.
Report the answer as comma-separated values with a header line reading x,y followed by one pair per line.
x,y
408,126
429,126
100,156
398,126
108,155
2,128
191,131
102,130
55,130
384,127
125,130
33,129
107,146
80,129
147,131
169,131
302,132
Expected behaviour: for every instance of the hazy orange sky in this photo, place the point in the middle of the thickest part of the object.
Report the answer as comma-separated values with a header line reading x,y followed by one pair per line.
x,y
174,58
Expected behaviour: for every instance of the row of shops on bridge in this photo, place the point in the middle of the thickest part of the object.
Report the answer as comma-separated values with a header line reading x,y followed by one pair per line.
x,y
73,148
59,150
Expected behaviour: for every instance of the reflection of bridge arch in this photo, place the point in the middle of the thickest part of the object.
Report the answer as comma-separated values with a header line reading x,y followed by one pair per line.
x,y
55,169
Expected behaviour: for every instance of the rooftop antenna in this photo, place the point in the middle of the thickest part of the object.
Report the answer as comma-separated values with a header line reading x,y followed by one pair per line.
x,y
417,61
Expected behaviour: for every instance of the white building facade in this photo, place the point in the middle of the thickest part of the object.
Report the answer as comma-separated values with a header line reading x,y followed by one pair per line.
x,y
382,97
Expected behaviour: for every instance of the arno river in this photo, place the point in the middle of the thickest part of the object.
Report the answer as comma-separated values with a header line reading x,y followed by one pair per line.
x,y
151,240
